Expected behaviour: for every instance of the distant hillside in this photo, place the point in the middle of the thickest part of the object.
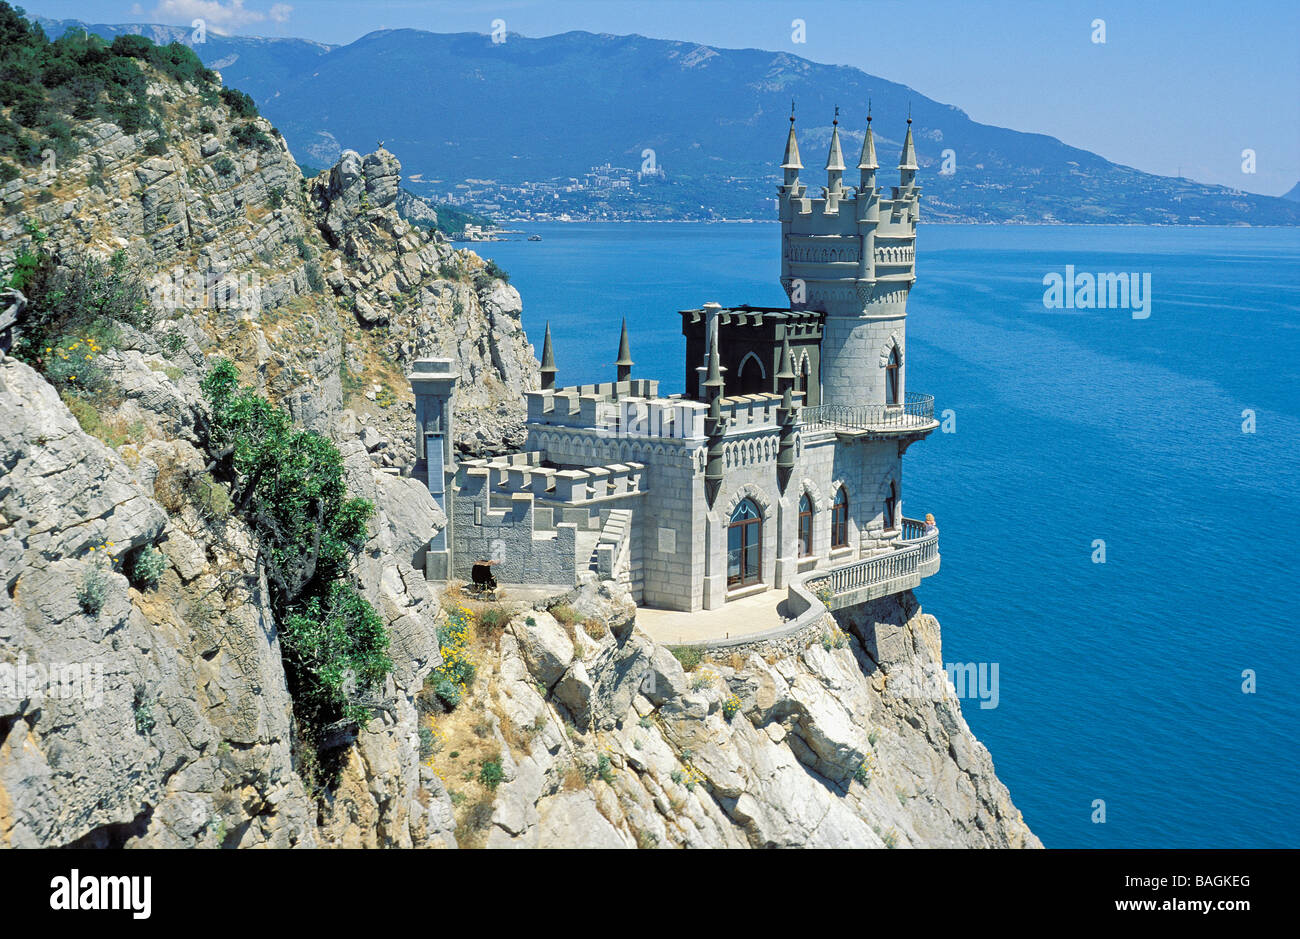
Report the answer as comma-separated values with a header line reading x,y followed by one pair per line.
x,y
460,107
1293,193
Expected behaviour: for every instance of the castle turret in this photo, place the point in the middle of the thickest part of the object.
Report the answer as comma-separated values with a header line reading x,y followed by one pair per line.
x,y
834,190
867,164
548,361
624,363
907,160
791,163
850,255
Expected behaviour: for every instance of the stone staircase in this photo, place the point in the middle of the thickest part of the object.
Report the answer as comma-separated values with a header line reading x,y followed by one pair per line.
x,y
611,559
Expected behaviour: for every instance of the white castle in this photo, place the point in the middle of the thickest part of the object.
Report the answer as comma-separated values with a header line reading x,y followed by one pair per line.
x,y
780,467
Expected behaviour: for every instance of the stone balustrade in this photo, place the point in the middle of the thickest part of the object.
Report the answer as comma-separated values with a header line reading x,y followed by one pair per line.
x,y
880,575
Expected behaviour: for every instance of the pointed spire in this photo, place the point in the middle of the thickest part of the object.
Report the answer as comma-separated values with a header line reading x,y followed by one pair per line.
x,y
868,159
908,159
791,161
787,360
548,361
624,362
835,159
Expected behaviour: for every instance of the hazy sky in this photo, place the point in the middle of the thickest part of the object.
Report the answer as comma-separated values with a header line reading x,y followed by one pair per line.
x,y
1176,86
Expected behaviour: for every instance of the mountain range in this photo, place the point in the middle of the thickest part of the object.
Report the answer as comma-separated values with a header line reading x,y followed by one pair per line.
x,y
459,107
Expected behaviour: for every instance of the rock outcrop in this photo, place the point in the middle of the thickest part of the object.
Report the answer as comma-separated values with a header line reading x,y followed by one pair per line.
x,y
612,743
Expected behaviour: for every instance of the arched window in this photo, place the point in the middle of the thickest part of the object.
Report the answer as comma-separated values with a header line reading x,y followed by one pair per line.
x,y
805,526
745,545
840,519
751,378
891,505
892,376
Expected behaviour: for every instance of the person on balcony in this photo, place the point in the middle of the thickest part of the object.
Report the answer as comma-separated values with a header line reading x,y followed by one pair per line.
x,y
930,527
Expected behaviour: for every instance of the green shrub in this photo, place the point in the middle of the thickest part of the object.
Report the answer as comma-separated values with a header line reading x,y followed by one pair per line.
x,y
314,278
731,706
287,484
250,135
82,76
93,589
239,102
450,680
493,618
147,568
142,709
223,165
75,311
689,656
605,769
207,127
490,774
275,198
427,743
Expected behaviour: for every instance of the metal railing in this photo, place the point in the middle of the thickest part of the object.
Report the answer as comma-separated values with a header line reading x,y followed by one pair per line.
x,y
917,410
917,551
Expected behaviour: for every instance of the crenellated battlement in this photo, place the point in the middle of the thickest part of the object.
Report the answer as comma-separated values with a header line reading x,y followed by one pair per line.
x,y
506,479
635,411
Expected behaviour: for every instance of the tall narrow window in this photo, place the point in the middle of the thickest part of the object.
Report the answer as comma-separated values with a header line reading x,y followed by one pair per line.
x,y
745,545
891,505
805,526
891,376
840,519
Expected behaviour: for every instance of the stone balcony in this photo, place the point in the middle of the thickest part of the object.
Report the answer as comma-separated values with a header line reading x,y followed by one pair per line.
x,y
915,416
916,556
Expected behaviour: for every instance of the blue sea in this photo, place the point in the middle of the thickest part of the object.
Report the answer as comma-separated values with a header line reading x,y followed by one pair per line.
x,y
1119,681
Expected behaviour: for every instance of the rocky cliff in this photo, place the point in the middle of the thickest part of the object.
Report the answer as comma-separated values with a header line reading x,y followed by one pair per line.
x,y
159,714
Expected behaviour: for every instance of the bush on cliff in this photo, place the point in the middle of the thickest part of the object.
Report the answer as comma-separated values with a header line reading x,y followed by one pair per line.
x,y
83,76
287,484
74,312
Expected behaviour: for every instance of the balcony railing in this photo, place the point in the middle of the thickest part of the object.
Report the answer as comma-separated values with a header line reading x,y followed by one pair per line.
x,y
917,556
915,413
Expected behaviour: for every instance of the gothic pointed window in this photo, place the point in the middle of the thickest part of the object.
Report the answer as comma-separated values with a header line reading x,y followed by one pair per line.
x,y
840,519
745,545
751,378
805,526
892,369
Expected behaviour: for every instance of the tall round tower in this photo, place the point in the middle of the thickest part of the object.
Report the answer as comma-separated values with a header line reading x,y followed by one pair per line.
x,y
850,254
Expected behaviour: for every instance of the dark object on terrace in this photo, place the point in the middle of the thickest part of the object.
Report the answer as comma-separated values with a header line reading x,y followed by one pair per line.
x,y
481,575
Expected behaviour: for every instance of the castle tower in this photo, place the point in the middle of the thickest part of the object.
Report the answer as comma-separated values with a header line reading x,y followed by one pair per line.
x,y
433,381
851,255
